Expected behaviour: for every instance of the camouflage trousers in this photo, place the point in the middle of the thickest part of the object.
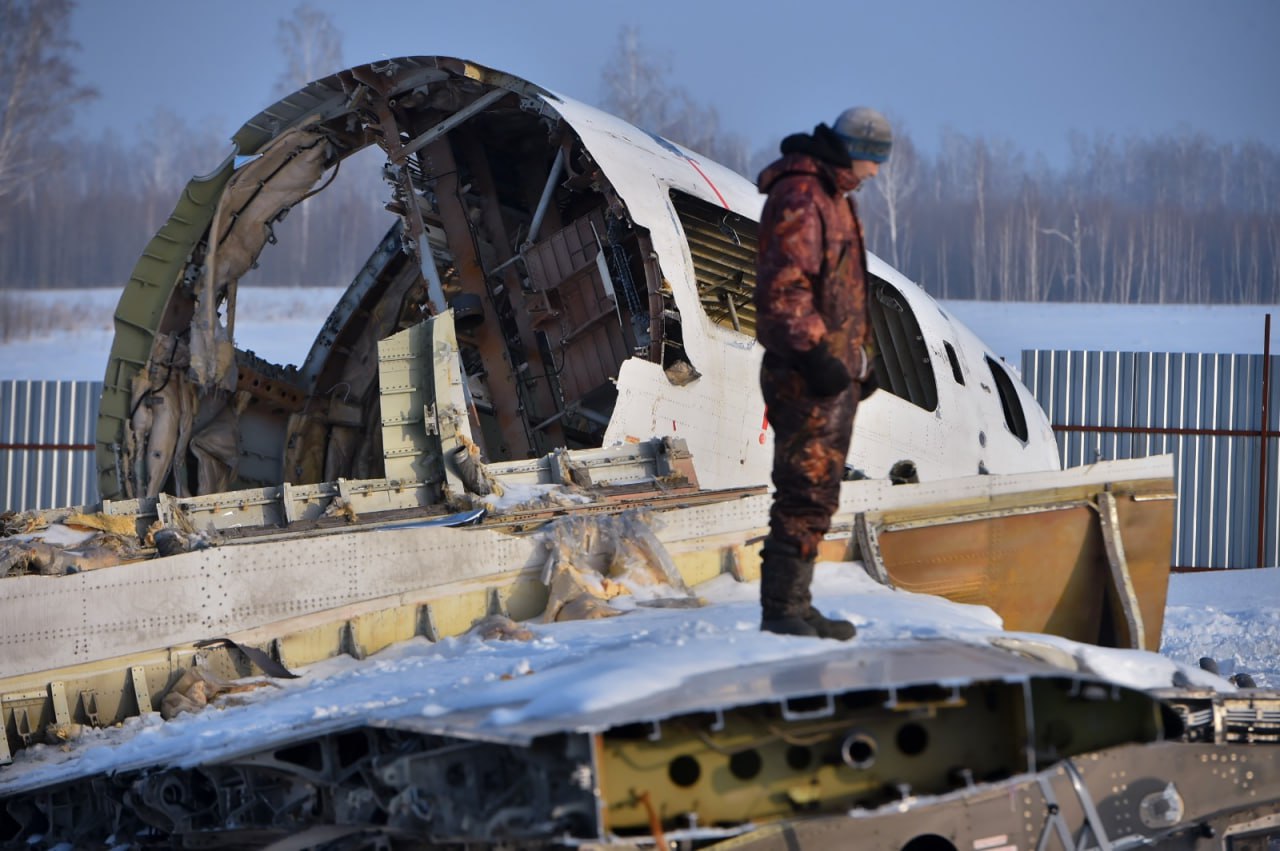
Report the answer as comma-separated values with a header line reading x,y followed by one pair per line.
x,y
811,436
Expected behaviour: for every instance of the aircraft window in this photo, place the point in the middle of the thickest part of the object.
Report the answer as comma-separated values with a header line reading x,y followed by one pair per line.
x,y
723,247
902,365
955,363
1013,415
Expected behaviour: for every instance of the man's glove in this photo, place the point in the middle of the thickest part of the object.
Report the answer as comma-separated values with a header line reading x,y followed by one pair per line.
x,y
825,373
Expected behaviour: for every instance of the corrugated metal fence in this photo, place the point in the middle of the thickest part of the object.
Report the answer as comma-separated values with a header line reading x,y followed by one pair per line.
x,y
1206,409
46,443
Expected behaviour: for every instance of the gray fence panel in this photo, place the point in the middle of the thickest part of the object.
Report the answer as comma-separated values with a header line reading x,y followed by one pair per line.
x,y
1217,475
47,413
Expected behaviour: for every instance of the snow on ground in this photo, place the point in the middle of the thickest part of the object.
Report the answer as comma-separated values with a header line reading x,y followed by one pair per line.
x,y
280,323
577,667
1232,616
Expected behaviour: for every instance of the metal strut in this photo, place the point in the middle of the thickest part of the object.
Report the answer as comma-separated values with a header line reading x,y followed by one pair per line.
x,y
1091,817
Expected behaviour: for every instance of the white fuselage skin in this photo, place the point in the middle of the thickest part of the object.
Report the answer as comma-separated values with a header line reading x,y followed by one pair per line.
x,y
722,415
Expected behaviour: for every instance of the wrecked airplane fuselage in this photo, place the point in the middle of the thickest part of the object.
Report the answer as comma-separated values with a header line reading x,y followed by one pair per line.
x,y
600,278
558,280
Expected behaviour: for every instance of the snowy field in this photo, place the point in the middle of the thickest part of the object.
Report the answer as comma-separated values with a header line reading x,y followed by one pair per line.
x,y
572,669
279,325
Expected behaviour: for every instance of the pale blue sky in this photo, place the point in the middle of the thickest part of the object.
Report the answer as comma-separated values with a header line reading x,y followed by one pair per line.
x,y
1029,72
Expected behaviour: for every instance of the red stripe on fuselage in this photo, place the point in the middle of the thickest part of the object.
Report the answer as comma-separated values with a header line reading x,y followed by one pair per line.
x,y
723,202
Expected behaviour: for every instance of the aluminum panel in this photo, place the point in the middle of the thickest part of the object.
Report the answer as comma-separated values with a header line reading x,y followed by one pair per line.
x,y
1204,408
41,425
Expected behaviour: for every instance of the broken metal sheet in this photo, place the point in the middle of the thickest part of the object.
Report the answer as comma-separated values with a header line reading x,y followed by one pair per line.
x,y
884,669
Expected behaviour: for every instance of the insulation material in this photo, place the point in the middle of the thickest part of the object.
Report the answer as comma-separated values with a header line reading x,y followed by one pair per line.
x,y
257,195
196,688
162,439
594,559
341,507
217,447
304,449
500,628
163,405
518,496
21,523
123,525
18,558
187,404
471,468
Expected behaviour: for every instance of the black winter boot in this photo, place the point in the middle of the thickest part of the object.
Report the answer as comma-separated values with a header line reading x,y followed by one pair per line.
x,y
785,603
826,627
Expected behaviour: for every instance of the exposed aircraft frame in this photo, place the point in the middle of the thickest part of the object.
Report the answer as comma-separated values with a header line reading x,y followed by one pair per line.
x,y
601,281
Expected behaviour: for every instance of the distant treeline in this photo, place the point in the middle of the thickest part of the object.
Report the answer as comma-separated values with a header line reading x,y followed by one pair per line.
x,y
1171,218
1167,219
86,223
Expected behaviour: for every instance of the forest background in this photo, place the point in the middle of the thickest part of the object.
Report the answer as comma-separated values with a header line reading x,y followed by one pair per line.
x,y
1171,218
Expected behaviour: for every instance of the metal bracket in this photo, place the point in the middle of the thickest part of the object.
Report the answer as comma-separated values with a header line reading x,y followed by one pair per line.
x,y
1056,821
277,651
22,725
89,702
827,709
427,623
868,537
58,697
286,497
1091,817
141,692
731,563
350,643
1121,581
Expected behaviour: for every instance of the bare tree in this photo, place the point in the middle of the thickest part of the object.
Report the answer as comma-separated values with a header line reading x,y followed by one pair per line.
x,y
37,88
636,89
312,47
635,83
171,151
896,184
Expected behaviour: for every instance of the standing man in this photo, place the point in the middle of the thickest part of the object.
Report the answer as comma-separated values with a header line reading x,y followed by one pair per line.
x,y
811,303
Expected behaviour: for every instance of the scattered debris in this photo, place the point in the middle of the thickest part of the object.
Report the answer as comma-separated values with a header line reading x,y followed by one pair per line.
x,y
341,507
471,469
23,557
170,541
115,524
501,628
21,523
197,687
594,559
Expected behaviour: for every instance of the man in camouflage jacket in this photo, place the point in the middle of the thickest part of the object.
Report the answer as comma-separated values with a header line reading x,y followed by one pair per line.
x,y
811,303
